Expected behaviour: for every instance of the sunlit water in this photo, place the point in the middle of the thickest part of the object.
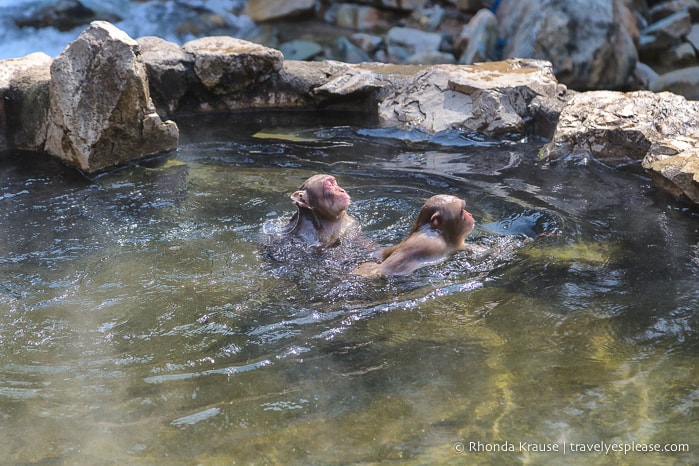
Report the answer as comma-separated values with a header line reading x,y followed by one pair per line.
x,y
147,317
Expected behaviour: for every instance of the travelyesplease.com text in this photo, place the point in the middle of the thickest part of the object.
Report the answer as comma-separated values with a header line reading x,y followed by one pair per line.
x,y
605,448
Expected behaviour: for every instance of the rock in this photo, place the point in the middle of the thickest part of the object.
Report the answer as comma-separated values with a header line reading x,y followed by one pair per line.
x,y
588,41
170,73
224,64
100,113
492,98
405,5
24,101
361,17
664,33
266,10
674,166
428,18
480,39
300,49
667,8
404,42
430,58
367,42
680,55
644,75
350,53
693,37
684,82
618,129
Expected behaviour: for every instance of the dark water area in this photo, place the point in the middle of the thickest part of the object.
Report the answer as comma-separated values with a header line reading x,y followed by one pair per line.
x,y
150,315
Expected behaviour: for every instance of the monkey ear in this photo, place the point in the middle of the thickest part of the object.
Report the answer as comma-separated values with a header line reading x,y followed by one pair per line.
x,y
436,220
299,198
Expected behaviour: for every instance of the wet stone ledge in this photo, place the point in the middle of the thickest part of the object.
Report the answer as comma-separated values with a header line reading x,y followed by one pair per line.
x,y
105,101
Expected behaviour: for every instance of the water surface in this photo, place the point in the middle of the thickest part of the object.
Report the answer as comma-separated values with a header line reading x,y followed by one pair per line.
x,y
146,317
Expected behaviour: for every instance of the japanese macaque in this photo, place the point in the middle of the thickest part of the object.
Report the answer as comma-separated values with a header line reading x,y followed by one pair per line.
x,y
321,217
439,232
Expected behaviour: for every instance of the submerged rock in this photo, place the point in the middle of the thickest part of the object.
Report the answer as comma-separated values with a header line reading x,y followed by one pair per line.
x,y
100,112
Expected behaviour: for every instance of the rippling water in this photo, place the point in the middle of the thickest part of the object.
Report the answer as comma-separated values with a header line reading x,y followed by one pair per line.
x,y
147,316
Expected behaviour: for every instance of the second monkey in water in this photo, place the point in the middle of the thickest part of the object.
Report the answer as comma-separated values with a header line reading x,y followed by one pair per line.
x,y
441,228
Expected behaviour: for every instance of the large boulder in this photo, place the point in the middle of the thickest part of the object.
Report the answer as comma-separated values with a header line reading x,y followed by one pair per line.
x,y
100,113
618,128
24,101
589,42
494,98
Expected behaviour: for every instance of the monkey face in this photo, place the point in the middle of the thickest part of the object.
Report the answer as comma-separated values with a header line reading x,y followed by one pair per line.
x,y
337,198
322,195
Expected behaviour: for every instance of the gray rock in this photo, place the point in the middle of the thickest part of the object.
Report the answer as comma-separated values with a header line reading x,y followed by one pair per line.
x,y
587,41
361,17
404,42
684,81
266,10
480,36
674,166
665,32
618,129
24,101
681,55
367,42
100,113
693,37
350,53
644,75
170,73
300,49
224,65
492,98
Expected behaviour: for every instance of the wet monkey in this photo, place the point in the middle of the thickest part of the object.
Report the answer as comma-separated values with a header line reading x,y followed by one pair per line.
x,y
321,217
440,231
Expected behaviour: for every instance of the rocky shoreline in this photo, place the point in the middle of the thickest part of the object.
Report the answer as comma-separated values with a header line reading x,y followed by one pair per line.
x,y
104,100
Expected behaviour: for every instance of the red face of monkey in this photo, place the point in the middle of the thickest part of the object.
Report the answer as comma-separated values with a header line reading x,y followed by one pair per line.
x,y
322,195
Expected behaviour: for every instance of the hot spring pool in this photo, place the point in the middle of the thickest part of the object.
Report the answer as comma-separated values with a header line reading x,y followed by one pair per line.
x,y
146,317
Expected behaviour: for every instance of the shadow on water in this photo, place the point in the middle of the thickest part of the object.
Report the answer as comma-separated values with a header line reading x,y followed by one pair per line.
x,y
151,315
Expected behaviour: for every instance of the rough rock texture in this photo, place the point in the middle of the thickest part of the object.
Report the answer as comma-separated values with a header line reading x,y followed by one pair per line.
x,y
618,129
674,165
494,98
100,112
170,73
225,66
24,98
586,40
